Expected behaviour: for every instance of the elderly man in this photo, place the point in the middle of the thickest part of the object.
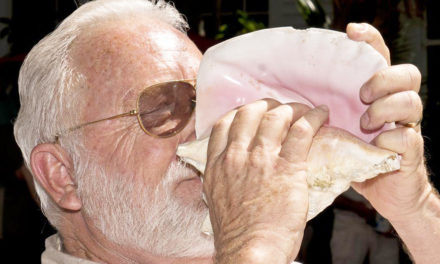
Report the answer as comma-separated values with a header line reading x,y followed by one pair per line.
x,y
113,187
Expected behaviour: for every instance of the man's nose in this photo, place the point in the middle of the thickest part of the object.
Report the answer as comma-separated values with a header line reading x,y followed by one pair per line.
x,y
188,133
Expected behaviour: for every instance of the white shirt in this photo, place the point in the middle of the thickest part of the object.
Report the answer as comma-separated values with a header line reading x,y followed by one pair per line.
x,y
54,254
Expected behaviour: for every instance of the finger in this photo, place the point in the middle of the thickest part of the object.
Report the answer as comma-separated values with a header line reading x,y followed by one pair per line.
x,y
299,110
275,125
368,33
246,122
404,141
219,135
391,80
383,110
296,146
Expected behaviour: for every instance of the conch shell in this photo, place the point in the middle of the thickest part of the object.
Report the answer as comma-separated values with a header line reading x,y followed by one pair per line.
x,y
307,66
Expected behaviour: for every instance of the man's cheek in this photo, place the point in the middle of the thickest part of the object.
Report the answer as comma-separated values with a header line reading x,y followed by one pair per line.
x,y
151,158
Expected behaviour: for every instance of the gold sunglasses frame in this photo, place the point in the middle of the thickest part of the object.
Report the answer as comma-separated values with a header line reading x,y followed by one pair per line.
x,y
134,112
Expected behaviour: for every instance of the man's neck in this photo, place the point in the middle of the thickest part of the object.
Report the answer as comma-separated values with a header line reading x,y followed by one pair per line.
x,y
81,239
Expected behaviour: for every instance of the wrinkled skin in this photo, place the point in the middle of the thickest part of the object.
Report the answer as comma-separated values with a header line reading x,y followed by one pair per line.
x,y
405,197
253,153
396,87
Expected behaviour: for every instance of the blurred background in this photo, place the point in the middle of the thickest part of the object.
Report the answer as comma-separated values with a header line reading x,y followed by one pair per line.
x,y
411,29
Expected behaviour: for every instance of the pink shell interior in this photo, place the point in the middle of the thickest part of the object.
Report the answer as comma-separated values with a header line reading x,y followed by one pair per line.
x,y
311,66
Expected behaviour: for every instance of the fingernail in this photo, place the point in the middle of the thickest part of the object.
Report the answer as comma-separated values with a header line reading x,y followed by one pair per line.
x,y
365,120
365,93
360,27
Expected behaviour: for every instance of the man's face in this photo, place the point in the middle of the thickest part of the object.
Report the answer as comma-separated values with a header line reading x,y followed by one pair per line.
x,y
129,174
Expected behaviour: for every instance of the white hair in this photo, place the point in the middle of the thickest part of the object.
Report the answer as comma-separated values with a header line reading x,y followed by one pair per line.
x,y
49,84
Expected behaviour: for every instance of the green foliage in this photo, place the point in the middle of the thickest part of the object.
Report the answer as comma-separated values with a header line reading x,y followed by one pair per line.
x,y
244,24
248,24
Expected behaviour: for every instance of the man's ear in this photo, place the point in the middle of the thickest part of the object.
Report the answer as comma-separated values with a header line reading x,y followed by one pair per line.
x,y
53,169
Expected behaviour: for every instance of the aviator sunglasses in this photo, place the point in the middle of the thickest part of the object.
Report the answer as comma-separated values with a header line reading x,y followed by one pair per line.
x,y
162,109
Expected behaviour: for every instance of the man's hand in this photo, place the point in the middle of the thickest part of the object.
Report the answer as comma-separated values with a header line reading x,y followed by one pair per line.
x,y
392,95
255,180
405,197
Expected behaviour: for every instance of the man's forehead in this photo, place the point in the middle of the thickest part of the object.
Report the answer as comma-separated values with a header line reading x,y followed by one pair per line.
x,y
126,57
123,41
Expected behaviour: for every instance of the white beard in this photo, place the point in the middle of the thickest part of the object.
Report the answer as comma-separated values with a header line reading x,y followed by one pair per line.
x,y
138,217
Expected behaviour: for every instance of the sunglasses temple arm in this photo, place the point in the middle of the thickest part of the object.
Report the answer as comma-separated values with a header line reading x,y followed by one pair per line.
x,y
130,113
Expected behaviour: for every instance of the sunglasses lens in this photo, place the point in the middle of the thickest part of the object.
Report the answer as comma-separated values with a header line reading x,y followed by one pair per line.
x,y
165,108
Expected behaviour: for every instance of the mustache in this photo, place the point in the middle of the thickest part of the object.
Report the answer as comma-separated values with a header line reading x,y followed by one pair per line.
x,y
177,171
